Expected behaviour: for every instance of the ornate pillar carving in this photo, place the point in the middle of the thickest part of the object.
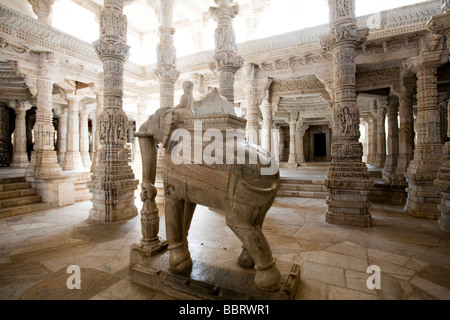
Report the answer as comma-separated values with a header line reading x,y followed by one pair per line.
x,y
347,181
20,156
226,58
300,133
440,25
72,156
113,183
372,140
96,139
381,133
292,162
422,197
165,71
390,165
43,10
266,137
44,161
62,113
84,137
406,130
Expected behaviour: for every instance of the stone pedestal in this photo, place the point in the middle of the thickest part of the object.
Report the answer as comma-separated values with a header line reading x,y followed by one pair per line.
x,y
207,280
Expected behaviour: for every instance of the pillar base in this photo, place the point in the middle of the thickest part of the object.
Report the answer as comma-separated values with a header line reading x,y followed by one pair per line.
x,y
19,160
111,206
444,224
423,197
348,185
72,161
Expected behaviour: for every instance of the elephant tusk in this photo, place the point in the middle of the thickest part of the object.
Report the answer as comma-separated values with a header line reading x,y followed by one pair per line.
x,y
272,188
143,135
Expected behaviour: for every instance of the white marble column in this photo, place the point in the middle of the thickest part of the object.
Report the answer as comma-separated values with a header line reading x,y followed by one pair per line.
x,y
423,199
390,165
72,157
266,136
226,58
98,110
372,140
44,161
292,162
84,138
300,132
141,118
113,183
381,133
276,140
20,156
62,113
165,70
347,181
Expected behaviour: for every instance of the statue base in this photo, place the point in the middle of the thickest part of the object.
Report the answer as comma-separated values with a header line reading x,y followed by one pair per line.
x,y
206,281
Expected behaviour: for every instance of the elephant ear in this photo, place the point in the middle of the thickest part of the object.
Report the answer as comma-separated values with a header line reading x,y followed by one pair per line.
x,y
167,127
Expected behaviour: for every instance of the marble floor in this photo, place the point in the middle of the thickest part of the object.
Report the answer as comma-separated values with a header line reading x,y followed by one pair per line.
x,y
412,254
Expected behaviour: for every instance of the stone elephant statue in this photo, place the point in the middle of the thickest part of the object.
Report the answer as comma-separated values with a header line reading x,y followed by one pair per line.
x,y
238,189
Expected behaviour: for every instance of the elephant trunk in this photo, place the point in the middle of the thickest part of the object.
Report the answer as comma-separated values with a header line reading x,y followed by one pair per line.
x,y
149,212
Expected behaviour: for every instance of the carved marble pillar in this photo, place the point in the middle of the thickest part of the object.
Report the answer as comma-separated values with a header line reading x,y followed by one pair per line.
x,y
226,58
96,132
372,140
62,113
165,70
390,165
72,157
113,183
84,138
141,118
43,10
20,156
422,197
300,133
405,134
276,139
381,133
252,106
266,136
348,181
292,162
440,25
44,160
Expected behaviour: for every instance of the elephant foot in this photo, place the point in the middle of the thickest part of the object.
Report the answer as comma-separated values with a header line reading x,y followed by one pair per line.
x,y
180,260
245,260
268,279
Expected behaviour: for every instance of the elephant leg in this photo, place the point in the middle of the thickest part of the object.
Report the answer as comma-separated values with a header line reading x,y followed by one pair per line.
x,y
245,221
189,208
180,258
245,260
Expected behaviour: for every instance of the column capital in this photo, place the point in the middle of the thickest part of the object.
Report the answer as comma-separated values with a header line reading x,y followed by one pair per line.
x,y
43,9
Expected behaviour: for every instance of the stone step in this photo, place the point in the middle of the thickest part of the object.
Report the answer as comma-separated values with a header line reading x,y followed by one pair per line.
x,y
24,209
303,187
301,181
19,201
12,180
17,193
302,194
15,186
